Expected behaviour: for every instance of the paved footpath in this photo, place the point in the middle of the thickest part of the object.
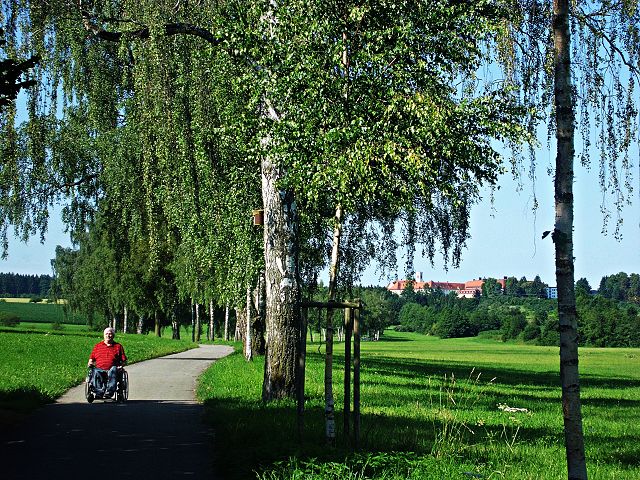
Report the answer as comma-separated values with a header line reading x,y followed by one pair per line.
x,y
158,434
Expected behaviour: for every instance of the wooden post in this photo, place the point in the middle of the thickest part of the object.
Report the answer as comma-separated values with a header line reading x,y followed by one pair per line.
x,y
301,372
348,315
329,406
356,376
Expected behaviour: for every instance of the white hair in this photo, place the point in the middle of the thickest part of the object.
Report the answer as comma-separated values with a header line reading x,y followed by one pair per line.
x,y
109,329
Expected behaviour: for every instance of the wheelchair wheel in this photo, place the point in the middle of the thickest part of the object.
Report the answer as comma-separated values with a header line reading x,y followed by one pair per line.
x,y
88,390
122,392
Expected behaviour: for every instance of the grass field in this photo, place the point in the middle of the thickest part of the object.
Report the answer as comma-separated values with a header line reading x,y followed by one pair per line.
x,y
40,312
433,409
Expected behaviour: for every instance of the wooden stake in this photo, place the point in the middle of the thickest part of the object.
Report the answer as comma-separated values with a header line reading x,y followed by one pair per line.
x,y
348,314
356,377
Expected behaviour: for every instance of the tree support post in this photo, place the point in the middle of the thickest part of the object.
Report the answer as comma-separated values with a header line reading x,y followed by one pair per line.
x,y
302,359
348,316
329,405
356,375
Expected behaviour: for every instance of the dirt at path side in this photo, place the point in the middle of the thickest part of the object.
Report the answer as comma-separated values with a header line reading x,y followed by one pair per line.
x,y
157,434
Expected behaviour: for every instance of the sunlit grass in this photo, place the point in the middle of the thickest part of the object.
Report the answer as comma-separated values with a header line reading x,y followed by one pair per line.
x,y
433,408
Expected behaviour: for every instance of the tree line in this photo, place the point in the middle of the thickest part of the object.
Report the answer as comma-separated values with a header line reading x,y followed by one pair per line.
x,y
19,285
603,319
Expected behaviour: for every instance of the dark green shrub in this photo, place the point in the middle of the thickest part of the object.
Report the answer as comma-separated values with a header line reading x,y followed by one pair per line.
x,y
9,319
531,332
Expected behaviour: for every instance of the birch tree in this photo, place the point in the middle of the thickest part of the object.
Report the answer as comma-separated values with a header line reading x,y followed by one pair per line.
x,y
582,59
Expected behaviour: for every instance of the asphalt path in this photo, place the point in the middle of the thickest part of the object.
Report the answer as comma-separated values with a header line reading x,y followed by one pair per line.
x,y
158,434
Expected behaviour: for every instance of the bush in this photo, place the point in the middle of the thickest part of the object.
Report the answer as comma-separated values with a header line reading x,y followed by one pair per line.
x,y
531,332
35,300
9,319
514,323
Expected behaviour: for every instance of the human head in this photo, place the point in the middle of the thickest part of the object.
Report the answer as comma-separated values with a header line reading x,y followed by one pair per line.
x,y
109,333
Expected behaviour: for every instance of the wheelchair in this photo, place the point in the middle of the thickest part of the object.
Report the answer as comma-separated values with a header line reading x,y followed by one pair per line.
x,y
122,385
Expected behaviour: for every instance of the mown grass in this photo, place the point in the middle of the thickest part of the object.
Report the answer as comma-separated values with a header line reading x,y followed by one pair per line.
x,y
41,312
432,408
39,365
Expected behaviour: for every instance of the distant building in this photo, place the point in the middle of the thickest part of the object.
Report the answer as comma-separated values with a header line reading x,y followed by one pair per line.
x,y
552,292
470,289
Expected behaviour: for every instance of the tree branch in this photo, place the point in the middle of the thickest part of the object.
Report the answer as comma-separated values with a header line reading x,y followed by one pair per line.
x,y
92,25
599,33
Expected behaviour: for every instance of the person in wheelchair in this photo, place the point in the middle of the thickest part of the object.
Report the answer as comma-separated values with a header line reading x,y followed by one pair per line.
x,y
106,358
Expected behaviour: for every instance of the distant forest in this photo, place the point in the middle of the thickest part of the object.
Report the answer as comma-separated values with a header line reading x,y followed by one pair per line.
x,y
18,285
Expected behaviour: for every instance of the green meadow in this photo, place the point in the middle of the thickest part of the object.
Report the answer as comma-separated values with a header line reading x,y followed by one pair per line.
x,y
432,409
40,312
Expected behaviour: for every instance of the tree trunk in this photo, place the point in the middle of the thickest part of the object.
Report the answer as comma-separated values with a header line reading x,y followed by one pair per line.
x,y
140,326
563,240
248,352
157,329
212,326
329,402
193,322
237,336
258,318
198,324
125,321
175,326
282,309
226,323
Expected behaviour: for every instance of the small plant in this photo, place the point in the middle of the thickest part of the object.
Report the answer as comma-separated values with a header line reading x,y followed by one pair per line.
x,y
9,319
451,432
57,326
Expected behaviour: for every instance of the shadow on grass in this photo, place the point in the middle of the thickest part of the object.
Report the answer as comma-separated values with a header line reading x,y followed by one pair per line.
x,y
506,376
23,400
253,436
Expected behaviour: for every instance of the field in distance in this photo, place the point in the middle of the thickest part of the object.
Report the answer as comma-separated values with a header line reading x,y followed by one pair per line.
x,y
42,312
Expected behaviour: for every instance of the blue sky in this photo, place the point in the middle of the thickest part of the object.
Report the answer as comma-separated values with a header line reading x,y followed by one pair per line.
x,y
506,239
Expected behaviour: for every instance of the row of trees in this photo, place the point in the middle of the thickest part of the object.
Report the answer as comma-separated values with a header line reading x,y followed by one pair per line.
x,y
16,285
165,124
621,287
